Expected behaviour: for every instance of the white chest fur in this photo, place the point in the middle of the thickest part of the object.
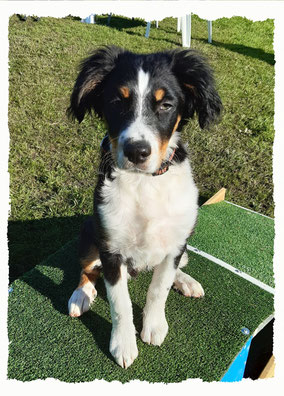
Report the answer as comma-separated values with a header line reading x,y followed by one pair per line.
x,y
146,217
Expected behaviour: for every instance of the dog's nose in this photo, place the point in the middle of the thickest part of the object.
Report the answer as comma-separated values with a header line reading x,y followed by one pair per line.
x,y
137,152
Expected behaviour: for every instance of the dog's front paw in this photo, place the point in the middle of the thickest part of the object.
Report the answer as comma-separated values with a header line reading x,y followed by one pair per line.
x,y
123,345
81,300
188,286
155,329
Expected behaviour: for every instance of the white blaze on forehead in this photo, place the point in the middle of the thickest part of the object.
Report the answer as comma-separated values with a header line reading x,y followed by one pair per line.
x,y
143,81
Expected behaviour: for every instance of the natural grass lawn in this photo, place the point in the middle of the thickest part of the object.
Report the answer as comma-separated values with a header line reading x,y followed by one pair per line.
x,y
53,161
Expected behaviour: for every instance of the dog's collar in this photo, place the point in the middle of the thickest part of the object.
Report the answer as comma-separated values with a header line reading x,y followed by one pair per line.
x,y
105,147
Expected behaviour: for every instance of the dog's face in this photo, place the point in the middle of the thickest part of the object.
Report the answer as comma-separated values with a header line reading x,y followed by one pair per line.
x,y
142,107
144,100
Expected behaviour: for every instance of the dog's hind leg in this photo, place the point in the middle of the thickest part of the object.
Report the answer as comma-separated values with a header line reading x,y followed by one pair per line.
x,y
85,293
184,283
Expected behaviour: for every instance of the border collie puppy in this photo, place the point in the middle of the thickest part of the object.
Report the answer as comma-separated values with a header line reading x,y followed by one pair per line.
x,y
145,201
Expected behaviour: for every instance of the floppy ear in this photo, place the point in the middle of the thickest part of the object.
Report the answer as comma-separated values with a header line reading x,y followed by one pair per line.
x,y
196,79
88,88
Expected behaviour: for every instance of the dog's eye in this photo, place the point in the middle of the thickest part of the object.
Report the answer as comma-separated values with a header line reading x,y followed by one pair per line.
x,y
165,106
116,100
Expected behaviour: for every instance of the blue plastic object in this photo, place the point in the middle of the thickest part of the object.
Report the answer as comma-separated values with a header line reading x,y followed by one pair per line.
x,y
237,368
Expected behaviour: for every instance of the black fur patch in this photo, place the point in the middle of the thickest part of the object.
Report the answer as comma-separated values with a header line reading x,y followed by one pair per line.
x,y
196,76
180,153
86,237
111,266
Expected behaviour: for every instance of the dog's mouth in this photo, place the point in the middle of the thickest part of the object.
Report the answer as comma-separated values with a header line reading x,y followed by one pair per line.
x,y
139,167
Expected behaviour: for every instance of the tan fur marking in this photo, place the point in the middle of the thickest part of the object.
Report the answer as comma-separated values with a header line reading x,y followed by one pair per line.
x,y
163,150
124,91
176,124
159,94
89,274
164,143
87,261
89,277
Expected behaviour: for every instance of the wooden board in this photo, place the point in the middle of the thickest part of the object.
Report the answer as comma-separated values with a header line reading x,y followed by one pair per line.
x,y
218,197
268,371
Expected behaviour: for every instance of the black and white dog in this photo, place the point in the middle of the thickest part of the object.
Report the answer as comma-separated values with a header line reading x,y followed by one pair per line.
x,y
145,201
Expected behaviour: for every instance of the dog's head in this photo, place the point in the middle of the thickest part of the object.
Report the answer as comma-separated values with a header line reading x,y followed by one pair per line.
x,y
145,100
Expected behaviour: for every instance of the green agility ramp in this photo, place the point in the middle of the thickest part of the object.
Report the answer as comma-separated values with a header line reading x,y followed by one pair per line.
x,y
208,338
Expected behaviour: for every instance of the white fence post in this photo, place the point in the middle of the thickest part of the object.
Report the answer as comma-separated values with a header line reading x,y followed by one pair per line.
x,y
186,30
148,29
178,24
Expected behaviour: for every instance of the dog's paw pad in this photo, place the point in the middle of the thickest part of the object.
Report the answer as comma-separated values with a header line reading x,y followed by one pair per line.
x,y
81,300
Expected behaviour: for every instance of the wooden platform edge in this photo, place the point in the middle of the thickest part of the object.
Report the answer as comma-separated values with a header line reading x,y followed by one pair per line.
x,y
268,371
218,197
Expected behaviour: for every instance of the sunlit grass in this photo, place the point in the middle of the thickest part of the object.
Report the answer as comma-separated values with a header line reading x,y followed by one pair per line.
x,y
53,161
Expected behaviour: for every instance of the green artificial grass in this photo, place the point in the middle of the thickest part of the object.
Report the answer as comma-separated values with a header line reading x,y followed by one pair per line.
x,y
239,237
204,334
53,161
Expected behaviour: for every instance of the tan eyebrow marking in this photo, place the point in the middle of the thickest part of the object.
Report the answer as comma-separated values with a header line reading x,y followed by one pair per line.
x,y
159,94
125,92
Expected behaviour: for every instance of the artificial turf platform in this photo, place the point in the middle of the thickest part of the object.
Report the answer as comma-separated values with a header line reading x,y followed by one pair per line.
x,y
204,334
237,236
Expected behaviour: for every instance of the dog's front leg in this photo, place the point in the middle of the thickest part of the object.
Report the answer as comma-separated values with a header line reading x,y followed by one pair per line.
x,y
155,326
123,335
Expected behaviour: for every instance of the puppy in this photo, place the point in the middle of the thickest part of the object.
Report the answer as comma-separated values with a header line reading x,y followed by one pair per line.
x,y
145,201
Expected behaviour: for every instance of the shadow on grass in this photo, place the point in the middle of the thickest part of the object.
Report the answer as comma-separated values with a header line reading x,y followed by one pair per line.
x,y
256,53
32,241
152,38
59,293
122,24
58,272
